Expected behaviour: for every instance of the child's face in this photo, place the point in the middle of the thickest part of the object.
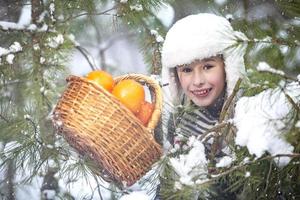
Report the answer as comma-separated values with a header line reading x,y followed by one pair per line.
x,y
203,81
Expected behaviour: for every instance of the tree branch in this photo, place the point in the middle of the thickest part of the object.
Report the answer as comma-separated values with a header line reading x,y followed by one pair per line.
x,y
217,140
217,176
229,100
4,118
294,104
83,14
281,75
205,136
87,56
28,118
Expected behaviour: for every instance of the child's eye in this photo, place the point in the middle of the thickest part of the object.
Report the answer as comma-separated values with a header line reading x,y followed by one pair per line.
x,y
208,66
186,69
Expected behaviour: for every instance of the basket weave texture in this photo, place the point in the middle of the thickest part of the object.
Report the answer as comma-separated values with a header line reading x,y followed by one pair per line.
x,y
97,125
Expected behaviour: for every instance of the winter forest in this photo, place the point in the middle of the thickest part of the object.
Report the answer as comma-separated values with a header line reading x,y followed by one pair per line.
x,y
42,42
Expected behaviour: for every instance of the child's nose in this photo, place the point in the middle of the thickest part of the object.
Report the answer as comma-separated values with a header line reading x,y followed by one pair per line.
x,y
198,79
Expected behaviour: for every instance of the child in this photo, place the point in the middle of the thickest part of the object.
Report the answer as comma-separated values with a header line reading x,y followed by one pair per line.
x,y
202,61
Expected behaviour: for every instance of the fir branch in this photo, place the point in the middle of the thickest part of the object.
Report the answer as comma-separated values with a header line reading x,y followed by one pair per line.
x,y
284,76
205,136
98,189
97,13
36,10
87,56
294,104
156,60
217,176
34,171
23,29
268,177
229,100
224,112
275,41
35,130
4,118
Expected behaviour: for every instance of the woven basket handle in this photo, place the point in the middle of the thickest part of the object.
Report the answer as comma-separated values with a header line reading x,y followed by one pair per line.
x,y
156,95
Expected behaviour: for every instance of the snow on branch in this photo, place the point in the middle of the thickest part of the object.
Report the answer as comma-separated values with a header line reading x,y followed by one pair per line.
x,y
265,67
264,119
11,26
9,53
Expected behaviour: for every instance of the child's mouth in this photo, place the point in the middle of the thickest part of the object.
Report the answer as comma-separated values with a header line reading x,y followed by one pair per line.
x,y
201,93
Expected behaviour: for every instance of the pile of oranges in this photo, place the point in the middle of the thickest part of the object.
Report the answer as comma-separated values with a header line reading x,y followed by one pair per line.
x,y
129,92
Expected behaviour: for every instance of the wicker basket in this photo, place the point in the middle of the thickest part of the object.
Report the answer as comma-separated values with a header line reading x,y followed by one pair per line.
x,y
97,125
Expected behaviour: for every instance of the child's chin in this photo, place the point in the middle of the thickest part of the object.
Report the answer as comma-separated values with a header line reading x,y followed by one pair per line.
x,y
202,103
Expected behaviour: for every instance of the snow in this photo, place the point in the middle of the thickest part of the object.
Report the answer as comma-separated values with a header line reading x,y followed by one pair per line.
x,y
136,195
15,26
52,7
54,42
14,48
225,161
263,66
10,58
36,47
73,40
137,7
158,37
247,174
27,116
261,122
52,10
25,17
3,51
297,124
42,60
220,2
165,14
191,165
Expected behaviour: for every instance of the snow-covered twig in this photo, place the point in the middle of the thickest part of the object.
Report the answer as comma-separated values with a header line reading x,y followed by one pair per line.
x,y
265,68
217,176
276,41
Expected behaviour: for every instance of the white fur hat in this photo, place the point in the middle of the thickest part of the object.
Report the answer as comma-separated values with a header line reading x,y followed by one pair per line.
x,y
197,37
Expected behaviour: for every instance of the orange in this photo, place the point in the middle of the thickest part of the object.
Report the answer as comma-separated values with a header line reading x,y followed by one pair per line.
x,y
130,93
101,78
145,112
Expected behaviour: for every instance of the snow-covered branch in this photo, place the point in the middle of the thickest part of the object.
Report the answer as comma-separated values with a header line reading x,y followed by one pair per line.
x,y
237,167
265,67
